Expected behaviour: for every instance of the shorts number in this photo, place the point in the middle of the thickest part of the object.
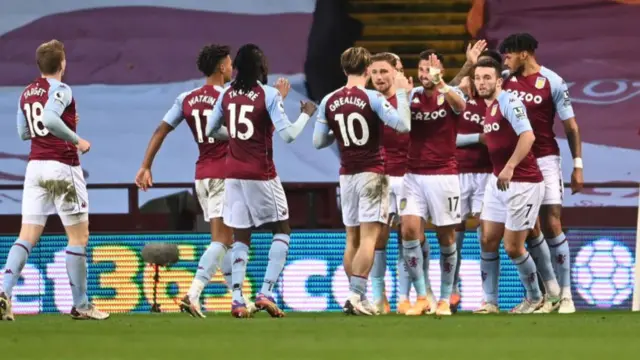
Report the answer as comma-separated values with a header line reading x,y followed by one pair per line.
x,y
348,132
33,113
199,126
241,119
453,203
529,206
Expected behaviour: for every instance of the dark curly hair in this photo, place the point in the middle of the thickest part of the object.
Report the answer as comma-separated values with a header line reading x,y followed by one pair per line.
x,y
210,57
519,42
251,66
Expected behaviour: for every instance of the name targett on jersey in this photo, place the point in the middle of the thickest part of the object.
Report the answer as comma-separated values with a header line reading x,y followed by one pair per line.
x,y
349,100
207,99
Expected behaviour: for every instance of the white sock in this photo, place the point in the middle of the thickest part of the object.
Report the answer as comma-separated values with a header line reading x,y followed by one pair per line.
x,y
277,259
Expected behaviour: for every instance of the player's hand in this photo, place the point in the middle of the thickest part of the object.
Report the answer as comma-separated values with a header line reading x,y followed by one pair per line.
x,y
308,107
401,82
577,180
83,145
283,86
482,139
435,74
504,178
77,119
144,179
473,52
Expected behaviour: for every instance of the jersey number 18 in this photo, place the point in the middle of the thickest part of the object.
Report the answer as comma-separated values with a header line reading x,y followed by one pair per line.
x,y
33,113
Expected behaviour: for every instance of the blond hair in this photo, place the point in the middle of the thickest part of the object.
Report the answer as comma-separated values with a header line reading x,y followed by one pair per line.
x,y
49,57
355,60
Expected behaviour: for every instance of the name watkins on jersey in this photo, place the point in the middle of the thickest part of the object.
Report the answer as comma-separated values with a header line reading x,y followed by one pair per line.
x,y
36,91
351,100
207,99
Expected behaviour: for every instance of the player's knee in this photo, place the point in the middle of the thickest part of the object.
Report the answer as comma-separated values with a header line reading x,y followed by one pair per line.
x,y
550,223
514,250
489,243
281,227
77,228
221,232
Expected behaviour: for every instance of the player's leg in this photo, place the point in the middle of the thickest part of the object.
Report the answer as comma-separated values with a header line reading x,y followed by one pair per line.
x,y
372,196
523,204
36,204
413,211
443,199
72,206
351,247
379,269
539,250
492,219
210,193
236,215
466,195
550,213
404,279
269,206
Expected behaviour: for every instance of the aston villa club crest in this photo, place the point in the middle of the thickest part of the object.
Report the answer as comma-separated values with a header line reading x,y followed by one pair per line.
x,y
440,99
494,110
540,82
403,204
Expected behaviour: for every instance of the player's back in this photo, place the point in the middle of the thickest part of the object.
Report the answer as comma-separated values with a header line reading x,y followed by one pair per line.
x,y
357,128
44,145
433,135
395,146
473,158
197,106
543,94
248,120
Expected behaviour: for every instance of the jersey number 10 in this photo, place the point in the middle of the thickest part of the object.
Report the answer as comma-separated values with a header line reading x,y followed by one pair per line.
x,y
33,113
347,130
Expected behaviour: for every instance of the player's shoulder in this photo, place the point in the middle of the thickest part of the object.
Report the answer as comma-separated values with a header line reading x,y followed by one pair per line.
x,y
183,95
330,96
416,91
507,100
55,85
554,79
269,91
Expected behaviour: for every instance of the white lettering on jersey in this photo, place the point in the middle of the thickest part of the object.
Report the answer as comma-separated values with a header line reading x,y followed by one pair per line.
x,y
427,116
251,94
526,97
491,127
468,115
352,100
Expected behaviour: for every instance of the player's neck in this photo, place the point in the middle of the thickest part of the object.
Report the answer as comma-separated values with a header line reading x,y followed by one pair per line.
x,y
355,80
215,80
391,92
493,98
530,68
57,76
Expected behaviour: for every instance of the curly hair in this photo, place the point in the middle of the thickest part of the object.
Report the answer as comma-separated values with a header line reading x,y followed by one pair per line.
x,y
251,66
210,57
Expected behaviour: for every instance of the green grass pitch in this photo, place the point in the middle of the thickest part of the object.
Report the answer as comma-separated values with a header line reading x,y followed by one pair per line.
x,y
332,336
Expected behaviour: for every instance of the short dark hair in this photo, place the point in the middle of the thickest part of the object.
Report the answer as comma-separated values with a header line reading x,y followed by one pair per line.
x,y
49,57
424,55
492,54
489,63
210,57
251,66
385,56
518,42
355,60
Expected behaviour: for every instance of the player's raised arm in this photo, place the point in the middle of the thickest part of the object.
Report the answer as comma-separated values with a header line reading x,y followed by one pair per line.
x,y
287,130
515,112
322,135
473,52
398,119
562,102
23,127
59,98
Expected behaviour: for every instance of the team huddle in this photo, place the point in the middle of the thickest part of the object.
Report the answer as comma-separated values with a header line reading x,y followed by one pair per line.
x,y
481,146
